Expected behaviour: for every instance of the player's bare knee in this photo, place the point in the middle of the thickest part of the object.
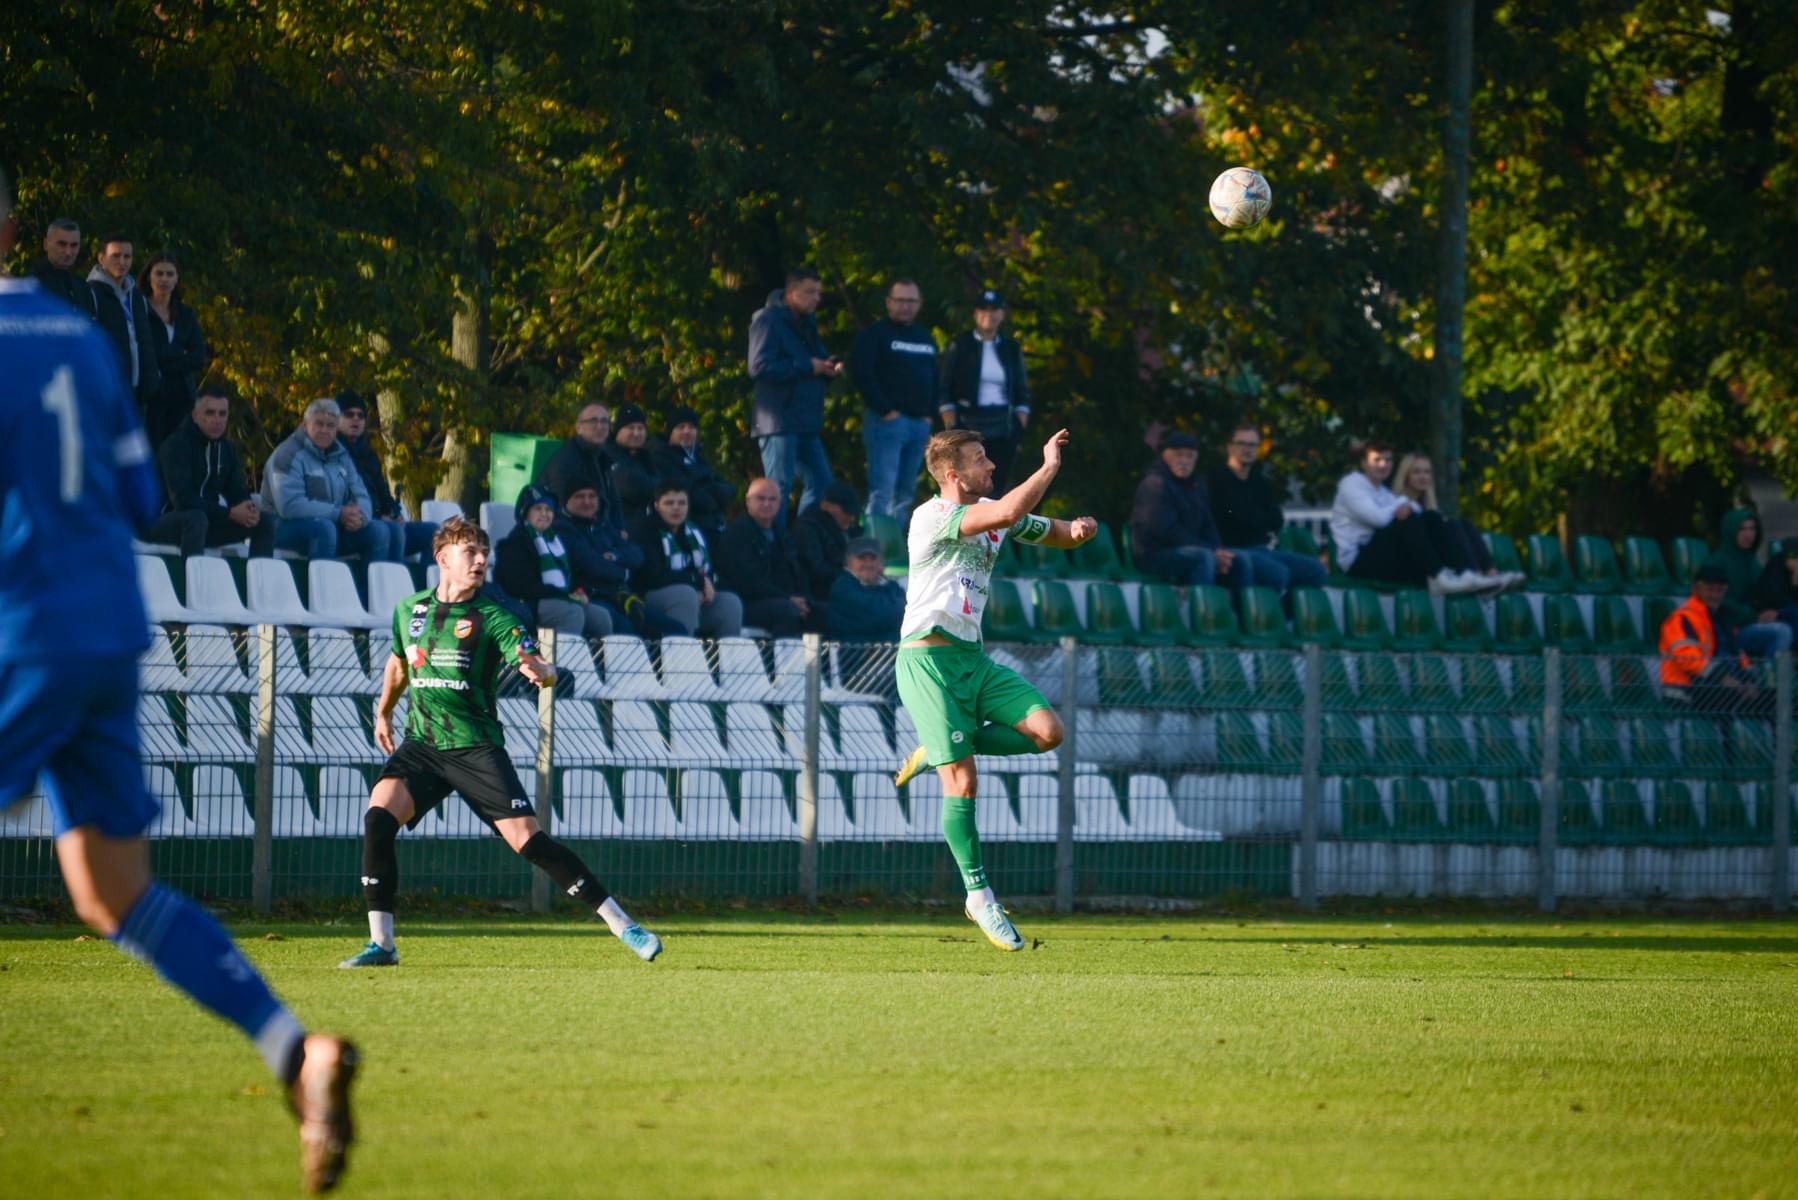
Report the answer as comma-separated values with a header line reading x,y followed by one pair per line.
x,y
518,831
97,914
391,794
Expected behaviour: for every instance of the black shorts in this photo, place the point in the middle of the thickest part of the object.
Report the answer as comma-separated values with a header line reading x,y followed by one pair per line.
x,y
484,776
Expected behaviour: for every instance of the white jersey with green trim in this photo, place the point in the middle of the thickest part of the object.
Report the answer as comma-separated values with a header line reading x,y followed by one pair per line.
x,y
949,575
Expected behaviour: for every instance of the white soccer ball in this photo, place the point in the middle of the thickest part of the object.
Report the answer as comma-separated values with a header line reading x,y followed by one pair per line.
x,y
1240,197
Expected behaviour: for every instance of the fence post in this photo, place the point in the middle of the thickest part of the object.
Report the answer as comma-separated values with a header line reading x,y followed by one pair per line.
x,y
1548,835
546,749
1782,787
262,853
1312,785
808,771
1064,763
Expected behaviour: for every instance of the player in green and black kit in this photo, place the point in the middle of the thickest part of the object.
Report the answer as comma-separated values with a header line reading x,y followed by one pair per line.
x,y
449,644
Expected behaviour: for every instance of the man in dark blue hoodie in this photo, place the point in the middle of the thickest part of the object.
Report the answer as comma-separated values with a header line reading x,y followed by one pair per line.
x,y
895,370
790,369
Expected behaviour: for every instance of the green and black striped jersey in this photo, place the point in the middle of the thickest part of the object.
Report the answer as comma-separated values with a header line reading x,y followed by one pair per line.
x,y
453,655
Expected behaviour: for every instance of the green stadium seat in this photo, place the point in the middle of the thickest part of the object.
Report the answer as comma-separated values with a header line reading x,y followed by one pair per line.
x,y
1751,751
1446,750
1614,627
1213,619
1238,745
1029,561
1528,680
1381,687
1578,825
1596,564
891,537
1469,816
1689,554
1285,743
1120,679
1338,692
1644,569
1055,615
1297,539
1464,624
1582,688
1171,678
1516,626
1263,620
1363,815
1519,812
1563,626
1595,751
1226,683
1364,622
1548,566
1701,751
1414,814
1655,611
1631,688
1624,818
1726,820
1107,616
1343,750
1651,750
1763,815
1277,681
1312,619
1162,624
1431,688
1482,687
1395,749
1676,820
1004,619
1098,558
1414,622
1504,552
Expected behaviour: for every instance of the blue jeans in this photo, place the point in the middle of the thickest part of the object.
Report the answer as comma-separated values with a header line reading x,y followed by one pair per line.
x,y
414,537
1764,641
1193,565
1282,569
316,537
785,456
895,456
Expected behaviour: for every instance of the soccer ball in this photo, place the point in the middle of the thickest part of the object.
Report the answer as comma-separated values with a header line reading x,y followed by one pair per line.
x,y
1240,197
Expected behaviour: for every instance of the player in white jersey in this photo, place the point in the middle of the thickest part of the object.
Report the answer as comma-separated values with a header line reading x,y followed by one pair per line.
x,y
962,702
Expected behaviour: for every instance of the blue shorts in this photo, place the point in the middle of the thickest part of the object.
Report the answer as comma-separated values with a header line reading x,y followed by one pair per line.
x,y
75,724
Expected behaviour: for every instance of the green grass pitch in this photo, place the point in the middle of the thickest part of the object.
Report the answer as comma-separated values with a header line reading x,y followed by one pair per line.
x,y
875,1054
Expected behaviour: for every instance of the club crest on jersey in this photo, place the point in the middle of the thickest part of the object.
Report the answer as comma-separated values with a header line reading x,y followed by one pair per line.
x,y
416,656
464,627
417,628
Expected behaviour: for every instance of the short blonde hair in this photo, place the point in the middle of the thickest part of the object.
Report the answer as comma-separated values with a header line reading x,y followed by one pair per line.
x,y
943,454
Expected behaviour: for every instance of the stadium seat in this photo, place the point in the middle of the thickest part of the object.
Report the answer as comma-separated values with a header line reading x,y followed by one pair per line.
x,y
1497,752
1226,684
694,736
213,664
388,584
1238,744
750,736
291,813
587,807
1482,687
636,733
648,811
331,596
1516,626
159,591
1689,554
212,595
862,738
762,813
1107,616
497,519
705,812
742,675
1595,751
1285,743
1655,611
1098,558
1415,816
1028,561
1650,749
686,673
1213,619
157,670
1003,619
1624,820
1519,812
1644,569
1297,539
1312,618
1528,683
1055,614
1464,624
1395,747
1363,813
1676,820
1548,565
1263,620
1751,751
1338,692
1344,750
1162,624
891,537
1563,625
1120,677
878,816
1364,621
1596,566
1701,751
438,511
1380,685
1414,622
1469,813
1432,690
1614,627
1582,689
1446,750
1152,817
1504,552
628,673
1632,690
1726,820
1577,826
1277,680
1171,678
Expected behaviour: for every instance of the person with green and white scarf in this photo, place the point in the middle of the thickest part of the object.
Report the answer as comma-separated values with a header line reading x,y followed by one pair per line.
x,y
533,568
676,577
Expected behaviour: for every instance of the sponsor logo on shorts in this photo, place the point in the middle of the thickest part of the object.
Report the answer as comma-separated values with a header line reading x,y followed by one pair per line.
x,y
370,881
464,627
518,803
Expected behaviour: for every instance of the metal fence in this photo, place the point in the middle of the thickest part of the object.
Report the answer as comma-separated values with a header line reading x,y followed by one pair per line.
x,y
764,769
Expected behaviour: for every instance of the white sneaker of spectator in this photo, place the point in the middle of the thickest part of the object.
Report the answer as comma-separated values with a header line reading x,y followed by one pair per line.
x,y
1450,583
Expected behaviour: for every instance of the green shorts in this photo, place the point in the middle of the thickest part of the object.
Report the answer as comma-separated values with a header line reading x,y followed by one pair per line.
x,y
951,691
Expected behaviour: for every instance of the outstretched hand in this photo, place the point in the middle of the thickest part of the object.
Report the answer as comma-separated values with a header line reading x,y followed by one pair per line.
x,y
535,669
1081,529
1052,448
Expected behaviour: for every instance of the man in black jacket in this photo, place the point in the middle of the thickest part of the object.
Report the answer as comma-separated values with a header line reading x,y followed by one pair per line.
x,y
984,386
709,496
1249,518
895,368
1172,535
125,316
352,429
756,560
585,458
634,470
55,271
209,497
602,561
821,536
791,369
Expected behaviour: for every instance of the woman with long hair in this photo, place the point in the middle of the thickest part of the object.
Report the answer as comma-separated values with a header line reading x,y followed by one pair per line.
x,y
1416,477
180,347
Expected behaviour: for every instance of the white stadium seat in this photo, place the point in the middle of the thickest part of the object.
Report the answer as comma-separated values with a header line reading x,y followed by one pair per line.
x,y
212,663
749,732
648,813
388,584
331,593
213,731
159,591
763,806
220,807
686,675
497,519
789,672
693,734
274,597
705,807
438,511
212,595
636,735
334,668
628,673
587,810
157,670
877,813
741,672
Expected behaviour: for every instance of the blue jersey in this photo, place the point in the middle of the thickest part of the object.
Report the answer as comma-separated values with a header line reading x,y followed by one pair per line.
x,y
75,480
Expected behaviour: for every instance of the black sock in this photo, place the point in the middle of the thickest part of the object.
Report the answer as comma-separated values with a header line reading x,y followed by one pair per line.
x,y
380,866
565,867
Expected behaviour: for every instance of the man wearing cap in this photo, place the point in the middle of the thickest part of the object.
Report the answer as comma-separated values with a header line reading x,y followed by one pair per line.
x,y
895,368
984,386
821,536
1702,667
634,471
756,560
865,606
1172,534
352,428
709,496
584,458
790,369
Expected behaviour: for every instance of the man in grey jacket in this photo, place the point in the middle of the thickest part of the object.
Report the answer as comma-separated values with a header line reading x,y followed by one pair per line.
x,y
124,314
312,484
791,369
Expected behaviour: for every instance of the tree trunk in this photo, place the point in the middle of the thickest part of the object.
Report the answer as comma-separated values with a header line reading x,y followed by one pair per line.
x,y
468,346
1451,264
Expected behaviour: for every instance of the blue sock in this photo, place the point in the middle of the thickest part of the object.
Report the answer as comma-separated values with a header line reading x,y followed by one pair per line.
x,y
193,952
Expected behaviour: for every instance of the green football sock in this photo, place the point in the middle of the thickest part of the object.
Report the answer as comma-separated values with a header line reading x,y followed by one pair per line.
x,y
964,840
1002,739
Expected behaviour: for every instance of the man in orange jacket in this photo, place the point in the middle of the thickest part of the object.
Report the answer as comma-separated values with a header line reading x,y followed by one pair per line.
x,y
1702,668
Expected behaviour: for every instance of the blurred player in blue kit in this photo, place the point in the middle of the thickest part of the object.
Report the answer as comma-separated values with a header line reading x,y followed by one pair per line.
x,y
75,478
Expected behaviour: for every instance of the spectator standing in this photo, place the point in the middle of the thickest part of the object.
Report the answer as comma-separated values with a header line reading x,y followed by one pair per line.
x,y
895,368
821,536
1775,595
1703,669
209,497
180,347
1172,533
352,430
534,568
1738,556
676,577
1416,476
634,473
985,388
311,483
757,561
790,369
709,495
1249,519
603,561
55,270
584,458
1382,536
865,606
125,316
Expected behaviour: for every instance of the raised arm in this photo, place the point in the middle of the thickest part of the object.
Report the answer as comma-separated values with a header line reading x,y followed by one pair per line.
x,y
1016,504
1065,535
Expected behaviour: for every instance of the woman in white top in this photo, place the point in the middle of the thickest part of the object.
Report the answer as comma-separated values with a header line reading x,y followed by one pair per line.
x,y
1386,537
